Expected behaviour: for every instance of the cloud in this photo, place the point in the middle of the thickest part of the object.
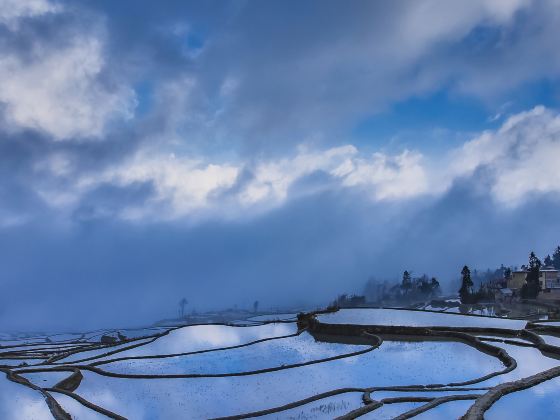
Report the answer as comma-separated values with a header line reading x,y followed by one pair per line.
x,y
266,79
107,272
184,187
520,155
58,89
210,151
517,161
392,177
310,82
11,11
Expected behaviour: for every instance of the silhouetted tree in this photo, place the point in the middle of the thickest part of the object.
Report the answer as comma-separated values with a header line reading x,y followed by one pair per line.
x,y
532,286
406,284
547,261
182,303
429,287
483,294
255,306
465,292
435,288
556,258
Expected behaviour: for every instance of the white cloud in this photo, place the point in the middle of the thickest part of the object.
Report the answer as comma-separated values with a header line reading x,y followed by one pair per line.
x,y
522,156
184,185
391,177
57,89
11,11
272,179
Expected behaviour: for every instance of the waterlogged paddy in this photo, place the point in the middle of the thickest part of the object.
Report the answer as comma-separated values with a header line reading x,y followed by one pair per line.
x,y
268,354
205,337
537,403
394,363
398,317
390,411
551,339
18,402
226,349
327,408
46,379
97,353
77,410
529,362
450,410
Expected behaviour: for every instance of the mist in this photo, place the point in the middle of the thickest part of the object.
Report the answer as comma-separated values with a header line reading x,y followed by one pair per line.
x,y
108,273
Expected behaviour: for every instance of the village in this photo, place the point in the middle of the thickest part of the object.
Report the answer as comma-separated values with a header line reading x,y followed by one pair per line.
x,y
509,288
529,291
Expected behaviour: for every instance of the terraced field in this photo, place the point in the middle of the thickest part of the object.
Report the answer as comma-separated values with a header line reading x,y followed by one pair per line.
x,y
371,363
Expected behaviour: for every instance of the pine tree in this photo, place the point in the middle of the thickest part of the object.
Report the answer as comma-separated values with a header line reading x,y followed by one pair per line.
x,y
465,291
532,286
556,258
406,284
547,261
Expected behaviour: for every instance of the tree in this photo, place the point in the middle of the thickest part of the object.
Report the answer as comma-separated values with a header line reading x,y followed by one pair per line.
x,y
534,262
532,286
556,258
465,292
182,303
547,261
435,287
255,306
425,286
406,284
483,294
507,273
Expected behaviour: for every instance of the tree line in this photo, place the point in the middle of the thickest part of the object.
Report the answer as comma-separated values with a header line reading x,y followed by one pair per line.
x,y
530,288
419,288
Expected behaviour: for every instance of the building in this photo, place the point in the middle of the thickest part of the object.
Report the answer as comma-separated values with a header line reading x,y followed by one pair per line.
x,y
503,295
549,278
517,279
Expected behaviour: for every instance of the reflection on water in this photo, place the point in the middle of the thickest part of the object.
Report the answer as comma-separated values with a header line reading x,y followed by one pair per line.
x,y
536,403
415,319
327,408
394,363
449,410
268,354
204,337
19,402
529,362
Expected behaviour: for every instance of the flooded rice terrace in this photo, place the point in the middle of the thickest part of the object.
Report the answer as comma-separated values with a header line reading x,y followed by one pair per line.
x,y
361,362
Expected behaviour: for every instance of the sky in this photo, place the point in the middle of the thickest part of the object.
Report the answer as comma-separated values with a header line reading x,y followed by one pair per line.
x,y
280,151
